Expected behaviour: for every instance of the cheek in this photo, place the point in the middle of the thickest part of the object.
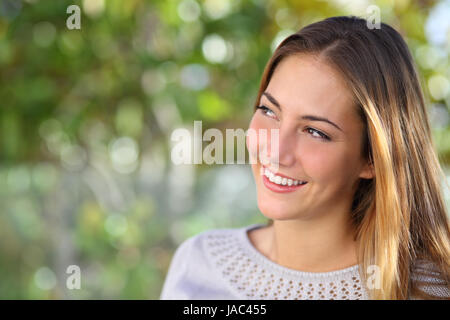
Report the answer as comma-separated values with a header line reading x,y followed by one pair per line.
x,y
325,162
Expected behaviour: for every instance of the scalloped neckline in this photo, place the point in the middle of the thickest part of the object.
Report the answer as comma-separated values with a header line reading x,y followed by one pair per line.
x,y
255,253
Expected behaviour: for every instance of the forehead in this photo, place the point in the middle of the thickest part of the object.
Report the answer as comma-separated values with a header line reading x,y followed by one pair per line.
x,y
305,84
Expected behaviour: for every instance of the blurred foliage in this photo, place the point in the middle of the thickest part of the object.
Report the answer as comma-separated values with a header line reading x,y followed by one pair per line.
x,y
86,118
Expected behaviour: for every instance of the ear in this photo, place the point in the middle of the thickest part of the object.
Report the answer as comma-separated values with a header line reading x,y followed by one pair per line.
x,y
368,171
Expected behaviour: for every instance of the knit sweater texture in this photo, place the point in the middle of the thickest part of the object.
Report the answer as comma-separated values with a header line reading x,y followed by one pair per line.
x,y
223,264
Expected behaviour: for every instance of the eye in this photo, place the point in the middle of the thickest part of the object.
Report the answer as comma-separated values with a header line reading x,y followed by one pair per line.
x,y
319,135
267,112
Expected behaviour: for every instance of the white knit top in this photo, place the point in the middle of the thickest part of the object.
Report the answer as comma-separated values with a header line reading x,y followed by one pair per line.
x,y
222,264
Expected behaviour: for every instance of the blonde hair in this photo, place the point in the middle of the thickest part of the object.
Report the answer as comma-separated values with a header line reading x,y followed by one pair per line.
x,y
399,215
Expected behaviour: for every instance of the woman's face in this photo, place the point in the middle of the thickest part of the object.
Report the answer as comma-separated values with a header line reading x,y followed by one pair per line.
x,y
327,156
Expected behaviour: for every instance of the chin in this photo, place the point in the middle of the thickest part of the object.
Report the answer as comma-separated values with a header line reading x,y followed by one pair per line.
x,y
274,211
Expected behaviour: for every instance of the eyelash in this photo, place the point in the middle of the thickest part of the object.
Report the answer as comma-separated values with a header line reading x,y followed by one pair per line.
x,y
322,135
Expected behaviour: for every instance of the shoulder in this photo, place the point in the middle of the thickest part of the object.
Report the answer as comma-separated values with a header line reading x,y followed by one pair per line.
x,y
192,264
429,280
197,245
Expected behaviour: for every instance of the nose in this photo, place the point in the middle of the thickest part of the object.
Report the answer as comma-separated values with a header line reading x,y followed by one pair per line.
x,y
282,147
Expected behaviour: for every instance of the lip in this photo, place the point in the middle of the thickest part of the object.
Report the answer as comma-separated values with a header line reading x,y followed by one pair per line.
x,y
280,188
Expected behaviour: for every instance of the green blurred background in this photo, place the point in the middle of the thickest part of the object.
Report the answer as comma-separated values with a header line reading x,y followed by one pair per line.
x,y
86,118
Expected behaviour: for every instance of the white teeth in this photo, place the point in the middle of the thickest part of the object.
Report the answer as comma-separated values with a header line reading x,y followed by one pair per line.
x,y
281,180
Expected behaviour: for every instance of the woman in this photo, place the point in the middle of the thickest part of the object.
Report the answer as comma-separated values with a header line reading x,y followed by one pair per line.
x,y
353,192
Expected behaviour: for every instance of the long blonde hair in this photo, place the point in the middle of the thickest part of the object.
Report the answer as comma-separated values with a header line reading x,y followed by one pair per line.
x,y
400,215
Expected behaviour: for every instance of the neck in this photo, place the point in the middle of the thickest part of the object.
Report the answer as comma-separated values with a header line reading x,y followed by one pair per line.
x,y
313,245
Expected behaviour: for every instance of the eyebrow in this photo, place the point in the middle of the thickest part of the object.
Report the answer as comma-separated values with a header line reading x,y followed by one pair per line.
x,y
305,117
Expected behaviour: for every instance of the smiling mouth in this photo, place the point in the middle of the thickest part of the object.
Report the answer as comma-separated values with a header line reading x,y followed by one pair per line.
x,y
280,184
280,179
